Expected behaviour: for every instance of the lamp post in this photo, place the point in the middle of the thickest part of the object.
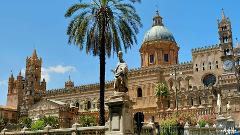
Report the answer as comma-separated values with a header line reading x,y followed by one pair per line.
x,y
175,74
236,57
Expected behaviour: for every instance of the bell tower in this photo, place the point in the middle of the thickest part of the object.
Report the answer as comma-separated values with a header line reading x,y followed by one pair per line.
x,y
225,35
34,88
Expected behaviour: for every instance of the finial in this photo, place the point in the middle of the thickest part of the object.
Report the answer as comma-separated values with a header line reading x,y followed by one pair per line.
x,y
237,44
157,12
69,78
157,19
11,74
223,14
20,73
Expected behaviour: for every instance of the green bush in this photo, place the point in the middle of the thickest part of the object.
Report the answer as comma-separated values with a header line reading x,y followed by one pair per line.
x,y
38,125
87,121
202,123
168,126
161,89
25,122
51,121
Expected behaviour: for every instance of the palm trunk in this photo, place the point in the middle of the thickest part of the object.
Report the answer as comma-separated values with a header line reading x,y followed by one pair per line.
x,y
102,75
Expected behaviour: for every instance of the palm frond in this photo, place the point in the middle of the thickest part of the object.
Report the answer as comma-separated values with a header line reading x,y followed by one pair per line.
x,y
75,8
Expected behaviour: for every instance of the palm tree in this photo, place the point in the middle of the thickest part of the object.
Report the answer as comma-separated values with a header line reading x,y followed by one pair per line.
x,y
102,26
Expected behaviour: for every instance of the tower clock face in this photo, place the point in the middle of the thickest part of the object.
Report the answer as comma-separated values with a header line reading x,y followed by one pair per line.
x,y
228,65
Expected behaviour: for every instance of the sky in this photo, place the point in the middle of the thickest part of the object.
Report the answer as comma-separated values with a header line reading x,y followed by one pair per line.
x,y
40,24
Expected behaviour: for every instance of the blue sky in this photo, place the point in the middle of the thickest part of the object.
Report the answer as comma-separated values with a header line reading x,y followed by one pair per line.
x,y
28,24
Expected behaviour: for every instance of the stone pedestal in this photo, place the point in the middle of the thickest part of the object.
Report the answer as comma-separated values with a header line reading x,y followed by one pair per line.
x,y
120,114
221,121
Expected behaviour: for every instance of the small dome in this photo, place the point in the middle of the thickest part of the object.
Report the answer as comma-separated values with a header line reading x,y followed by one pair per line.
x,y
158,33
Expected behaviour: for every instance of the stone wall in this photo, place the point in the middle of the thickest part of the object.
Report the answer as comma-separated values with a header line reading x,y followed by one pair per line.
x,y
75,130
209,131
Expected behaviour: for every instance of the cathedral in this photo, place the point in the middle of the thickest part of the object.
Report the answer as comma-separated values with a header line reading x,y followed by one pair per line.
x,y
193,86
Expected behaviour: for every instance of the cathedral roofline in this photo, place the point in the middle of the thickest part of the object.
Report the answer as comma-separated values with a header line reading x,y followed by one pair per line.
x,y
206,48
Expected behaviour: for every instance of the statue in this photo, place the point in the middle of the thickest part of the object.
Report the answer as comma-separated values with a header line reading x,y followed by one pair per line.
x,y
228,108
219,104
121,74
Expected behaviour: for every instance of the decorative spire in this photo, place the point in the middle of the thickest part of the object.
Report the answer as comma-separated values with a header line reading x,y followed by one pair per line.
x,y
157,20
34,55
11,74
237,44
20,73
223,14
69,78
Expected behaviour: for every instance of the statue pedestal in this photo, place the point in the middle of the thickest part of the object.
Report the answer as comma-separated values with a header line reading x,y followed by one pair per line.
x,y
120,115
221,121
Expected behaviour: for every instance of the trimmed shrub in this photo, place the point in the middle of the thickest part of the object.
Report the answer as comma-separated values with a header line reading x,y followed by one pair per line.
x,y
87,121
38,125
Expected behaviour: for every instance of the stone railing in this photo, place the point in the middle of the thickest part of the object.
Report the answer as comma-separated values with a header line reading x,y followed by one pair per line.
x,y
75,130
210,131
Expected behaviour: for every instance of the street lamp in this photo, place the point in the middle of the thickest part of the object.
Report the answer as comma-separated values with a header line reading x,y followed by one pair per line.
x,y
236,54
175,74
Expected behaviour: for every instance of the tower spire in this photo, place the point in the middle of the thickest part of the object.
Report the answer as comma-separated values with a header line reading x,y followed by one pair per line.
x,y
223,14
20,73
34,55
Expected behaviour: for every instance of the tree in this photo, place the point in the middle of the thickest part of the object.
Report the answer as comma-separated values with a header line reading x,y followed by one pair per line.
x,y
102,26
51,121
161,89
2,123
86,121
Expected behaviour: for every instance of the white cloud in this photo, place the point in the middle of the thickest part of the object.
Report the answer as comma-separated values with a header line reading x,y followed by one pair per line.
x,y
58,69
61,69
3,82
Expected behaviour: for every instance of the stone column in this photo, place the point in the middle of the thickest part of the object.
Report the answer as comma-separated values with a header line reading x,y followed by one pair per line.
x,y
120,114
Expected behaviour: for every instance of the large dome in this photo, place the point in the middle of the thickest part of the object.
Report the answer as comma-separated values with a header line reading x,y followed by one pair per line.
x,y
158,33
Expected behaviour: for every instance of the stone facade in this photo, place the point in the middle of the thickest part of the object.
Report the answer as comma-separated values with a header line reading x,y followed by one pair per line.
x,y
8,113
193,85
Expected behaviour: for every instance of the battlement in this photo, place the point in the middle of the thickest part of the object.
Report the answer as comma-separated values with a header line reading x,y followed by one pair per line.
x,y
81,88
206,48
185,63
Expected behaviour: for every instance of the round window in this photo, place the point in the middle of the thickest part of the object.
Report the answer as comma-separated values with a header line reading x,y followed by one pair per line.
x,y
209,80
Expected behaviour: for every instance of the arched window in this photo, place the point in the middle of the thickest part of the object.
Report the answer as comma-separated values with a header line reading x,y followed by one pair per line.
x,y
151,59
203,68
199,101
88,105
191,101
139,92
77,105
166,58
210,65
168,103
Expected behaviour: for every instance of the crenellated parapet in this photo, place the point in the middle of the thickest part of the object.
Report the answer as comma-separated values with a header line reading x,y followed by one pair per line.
x,y
146,70
81,88
205,49
182,67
